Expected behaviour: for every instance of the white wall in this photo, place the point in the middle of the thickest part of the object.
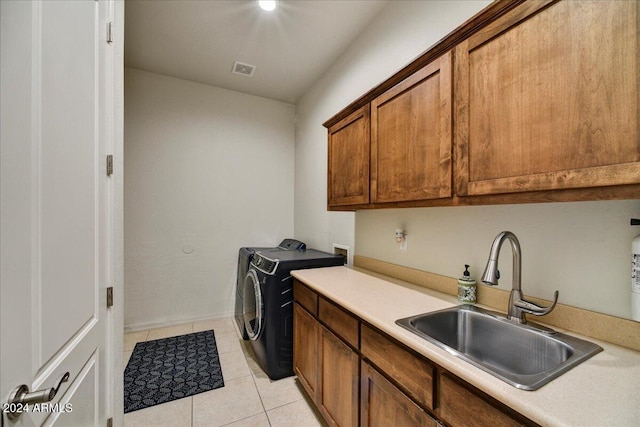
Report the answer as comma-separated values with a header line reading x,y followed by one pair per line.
x,y
206,167
582,249
401,32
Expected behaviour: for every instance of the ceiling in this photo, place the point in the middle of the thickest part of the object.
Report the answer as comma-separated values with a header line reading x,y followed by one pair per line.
x,y
200,40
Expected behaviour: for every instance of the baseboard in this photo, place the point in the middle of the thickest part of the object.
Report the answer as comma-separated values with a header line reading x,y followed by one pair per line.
x,y
171,322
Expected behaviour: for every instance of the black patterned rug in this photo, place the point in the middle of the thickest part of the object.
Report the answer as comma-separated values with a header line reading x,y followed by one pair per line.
x,y
163,370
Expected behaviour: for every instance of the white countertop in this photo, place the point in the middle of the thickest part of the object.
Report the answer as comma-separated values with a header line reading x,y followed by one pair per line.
x,y
602,391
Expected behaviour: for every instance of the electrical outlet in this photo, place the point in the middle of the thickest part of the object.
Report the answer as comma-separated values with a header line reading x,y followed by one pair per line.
x,y
404,243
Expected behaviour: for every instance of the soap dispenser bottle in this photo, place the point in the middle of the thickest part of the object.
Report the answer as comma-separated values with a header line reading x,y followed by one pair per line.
x,y
466,287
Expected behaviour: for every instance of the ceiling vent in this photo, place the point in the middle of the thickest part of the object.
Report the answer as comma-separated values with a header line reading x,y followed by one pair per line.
x,y
244,69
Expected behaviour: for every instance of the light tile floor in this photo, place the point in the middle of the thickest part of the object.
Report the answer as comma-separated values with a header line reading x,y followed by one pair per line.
x,y
249,397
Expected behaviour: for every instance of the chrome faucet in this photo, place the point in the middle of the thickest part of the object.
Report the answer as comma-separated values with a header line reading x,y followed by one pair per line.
x,y
518,306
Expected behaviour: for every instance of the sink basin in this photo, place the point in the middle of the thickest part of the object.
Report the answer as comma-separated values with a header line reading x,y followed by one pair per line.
x,y
524,356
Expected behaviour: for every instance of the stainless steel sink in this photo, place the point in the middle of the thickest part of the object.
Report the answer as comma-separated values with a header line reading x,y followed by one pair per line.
x,y
524,356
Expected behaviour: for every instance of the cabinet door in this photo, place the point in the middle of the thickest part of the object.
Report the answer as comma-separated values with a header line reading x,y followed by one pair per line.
x,y
547,98
338,399
348,169
411,137
305,349
382,404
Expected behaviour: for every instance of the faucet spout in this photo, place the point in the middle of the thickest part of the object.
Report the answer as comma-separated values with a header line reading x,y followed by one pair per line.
x,y
491,272
518,306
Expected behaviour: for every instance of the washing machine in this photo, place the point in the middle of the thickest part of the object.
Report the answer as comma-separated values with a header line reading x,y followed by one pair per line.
x,y
245,255
268,304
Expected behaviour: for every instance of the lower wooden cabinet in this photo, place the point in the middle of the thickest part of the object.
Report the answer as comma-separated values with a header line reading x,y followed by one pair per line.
x,y
338,397
547,97
305,349
382,404
357,375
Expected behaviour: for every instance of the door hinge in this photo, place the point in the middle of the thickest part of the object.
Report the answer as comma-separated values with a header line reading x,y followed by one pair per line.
x,y
109,296
109,32
110,422
110,165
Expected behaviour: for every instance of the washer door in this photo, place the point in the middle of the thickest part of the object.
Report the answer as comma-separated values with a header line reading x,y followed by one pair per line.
x,y
253,308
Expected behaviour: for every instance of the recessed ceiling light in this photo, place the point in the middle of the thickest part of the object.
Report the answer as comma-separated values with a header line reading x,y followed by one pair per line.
x,y
267,5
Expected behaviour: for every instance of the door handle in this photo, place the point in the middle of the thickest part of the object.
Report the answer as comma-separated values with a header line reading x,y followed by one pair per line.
x,y
20,397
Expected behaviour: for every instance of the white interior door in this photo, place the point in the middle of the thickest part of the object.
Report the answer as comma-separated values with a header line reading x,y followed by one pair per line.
x,y
56,239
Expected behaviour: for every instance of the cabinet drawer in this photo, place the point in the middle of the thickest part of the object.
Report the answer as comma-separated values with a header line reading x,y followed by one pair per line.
x,y
305,297
412,373
339,321
461,406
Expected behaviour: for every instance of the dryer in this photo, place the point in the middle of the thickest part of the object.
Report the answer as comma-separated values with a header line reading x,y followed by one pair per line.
x,y
268,304
245,255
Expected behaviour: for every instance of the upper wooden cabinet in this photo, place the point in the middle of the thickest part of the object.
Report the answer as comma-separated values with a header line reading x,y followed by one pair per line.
x,y
383,404
348,171
546,98
528,101
399,147
411,137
